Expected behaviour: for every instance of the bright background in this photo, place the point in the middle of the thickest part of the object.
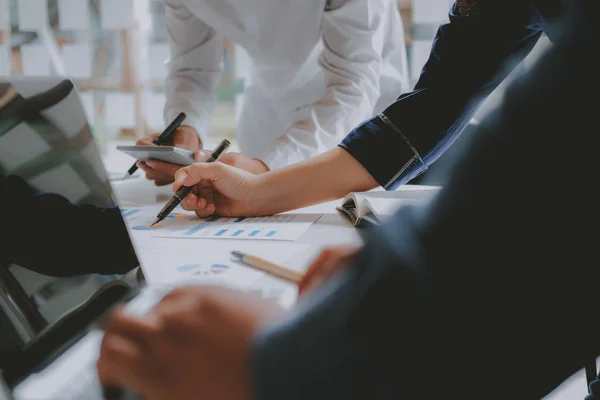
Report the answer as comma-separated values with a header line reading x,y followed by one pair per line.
x,y
115,51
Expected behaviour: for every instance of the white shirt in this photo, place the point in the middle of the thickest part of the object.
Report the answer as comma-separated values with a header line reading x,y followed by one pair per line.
x,y
315,74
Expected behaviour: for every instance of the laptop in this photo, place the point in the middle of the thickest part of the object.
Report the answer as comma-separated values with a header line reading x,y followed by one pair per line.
x,y
46,141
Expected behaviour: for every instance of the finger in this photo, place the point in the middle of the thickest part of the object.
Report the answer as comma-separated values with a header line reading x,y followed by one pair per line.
x,y
314,268
136,329
144,166
147,141
202,155
186,138
120,363
167,169
208,211
195,173
199,205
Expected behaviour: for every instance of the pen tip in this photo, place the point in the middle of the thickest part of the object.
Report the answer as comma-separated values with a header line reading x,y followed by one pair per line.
x,y
126,175
156,221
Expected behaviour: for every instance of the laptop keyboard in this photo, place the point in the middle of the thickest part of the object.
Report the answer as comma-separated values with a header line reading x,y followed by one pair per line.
x,y
73,375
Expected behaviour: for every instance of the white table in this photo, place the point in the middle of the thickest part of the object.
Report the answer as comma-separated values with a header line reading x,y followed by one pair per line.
x,y
331,229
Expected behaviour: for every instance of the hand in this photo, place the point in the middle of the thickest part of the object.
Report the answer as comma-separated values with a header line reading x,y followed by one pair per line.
x,y
160,172
195,344
329,262
237,160
220,188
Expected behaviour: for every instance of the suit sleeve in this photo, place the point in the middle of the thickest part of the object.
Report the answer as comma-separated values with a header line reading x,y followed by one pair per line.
x,y
470,57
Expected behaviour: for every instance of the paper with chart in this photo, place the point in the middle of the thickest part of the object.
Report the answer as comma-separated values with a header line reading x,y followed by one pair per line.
x,y
184,224
168,261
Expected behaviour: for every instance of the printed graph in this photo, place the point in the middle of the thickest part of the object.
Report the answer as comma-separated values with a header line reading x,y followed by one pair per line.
x,y
203,270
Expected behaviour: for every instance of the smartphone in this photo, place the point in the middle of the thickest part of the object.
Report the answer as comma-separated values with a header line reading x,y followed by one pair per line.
x,y
170,154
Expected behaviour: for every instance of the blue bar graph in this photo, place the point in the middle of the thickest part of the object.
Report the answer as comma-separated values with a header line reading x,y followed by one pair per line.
x,y
271,234
240,219
196,228
254,233
237,233
221,232
128,213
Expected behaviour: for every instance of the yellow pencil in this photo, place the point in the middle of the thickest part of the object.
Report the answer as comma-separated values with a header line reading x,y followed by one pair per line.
x,y
273,269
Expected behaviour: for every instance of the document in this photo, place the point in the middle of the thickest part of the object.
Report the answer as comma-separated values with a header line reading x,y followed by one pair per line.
x,y
168,261
373,207
184,224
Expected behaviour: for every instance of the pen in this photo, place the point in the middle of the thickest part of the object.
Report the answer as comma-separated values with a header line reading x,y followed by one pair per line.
x,y
184,190
166,135
273,269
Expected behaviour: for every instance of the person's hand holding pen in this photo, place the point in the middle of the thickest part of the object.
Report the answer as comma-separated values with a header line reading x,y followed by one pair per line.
x,y
219,188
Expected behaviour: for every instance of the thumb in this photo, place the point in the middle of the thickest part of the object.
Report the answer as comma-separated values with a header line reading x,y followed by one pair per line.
x,y
193,174
202,155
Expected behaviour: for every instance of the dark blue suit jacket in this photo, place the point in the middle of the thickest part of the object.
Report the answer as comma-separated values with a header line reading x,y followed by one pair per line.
x,y
490,293
470,57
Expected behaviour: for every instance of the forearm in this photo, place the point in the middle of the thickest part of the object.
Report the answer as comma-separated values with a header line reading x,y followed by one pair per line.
x,y
328,176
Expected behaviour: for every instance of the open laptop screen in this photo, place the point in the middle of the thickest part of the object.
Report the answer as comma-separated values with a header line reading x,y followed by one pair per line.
x,y
63,238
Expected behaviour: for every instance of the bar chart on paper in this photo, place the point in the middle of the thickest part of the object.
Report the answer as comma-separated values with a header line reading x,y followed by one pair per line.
x,y
187,225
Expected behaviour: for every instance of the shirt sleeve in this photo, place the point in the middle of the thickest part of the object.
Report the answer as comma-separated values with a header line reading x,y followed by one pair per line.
x,y
469,58
194,67
353,38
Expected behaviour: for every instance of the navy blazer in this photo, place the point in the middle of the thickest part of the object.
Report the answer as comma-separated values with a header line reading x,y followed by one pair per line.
x,y
470,57
490,293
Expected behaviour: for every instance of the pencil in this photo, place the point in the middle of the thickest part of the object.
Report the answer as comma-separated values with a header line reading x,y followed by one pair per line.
x,y
260,264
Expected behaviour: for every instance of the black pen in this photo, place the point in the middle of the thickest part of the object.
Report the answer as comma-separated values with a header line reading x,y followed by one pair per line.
x,y
184,190
166,135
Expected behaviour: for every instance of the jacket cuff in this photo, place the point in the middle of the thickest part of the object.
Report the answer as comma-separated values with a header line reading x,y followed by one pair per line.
x,y
384,151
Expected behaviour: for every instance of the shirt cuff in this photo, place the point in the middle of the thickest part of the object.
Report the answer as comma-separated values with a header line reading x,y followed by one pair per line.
x,y
384,151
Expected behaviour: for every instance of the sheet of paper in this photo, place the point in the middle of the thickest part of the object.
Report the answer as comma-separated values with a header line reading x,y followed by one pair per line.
x,y
120,110
116,14
4,15
35,60
73,15
168,261
5,67
183,224
78,60
33,14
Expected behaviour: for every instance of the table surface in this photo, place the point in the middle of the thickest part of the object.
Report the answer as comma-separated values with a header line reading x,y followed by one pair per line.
x,y
330,230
